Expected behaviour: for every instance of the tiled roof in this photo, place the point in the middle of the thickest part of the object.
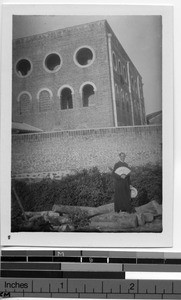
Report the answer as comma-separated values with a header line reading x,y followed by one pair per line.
x,y
154,114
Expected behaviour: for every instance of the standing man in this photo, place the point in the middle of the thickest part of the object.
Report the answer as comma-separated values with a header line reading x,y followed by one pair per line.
x,y
122,195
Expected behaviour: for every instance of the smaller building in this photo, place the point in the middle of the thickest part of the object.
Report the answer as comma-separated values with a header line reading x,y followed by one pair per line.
x,y
18,128
154,118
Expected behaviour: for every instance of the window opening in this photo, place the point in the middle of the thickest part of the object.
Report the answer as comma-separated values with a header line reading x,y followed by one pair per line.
x,y
87,92
52,62
23,67
66,99
45,103
24,103
84,56
114,61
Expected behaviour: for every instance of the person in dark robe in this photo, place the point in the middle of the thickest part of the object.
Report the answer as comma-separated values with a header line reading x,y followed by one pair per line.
x,y
122,195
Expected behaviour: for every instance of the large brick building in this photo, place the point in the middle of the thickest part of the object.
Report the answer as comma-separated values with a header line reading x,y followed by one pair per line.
x,y
75,78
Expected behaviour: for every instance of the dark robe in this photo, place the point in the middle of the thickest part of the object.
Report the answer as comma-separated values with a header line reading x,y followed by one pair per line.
x,y
122,195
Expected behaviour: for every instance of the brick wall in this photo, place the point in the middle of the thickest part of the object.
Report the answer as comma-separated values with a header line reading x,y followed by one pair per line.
x,y
72,150
65,42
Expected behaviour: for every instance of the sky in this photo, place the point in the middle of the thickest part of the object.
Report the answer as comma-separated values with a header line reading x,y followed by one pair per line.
x,y
140,36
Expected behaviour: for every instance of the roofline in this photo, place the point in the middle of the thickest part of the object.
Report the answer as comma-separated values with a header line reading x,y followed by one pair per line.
x,y
129,59
103,21
57,30
154,113
30,129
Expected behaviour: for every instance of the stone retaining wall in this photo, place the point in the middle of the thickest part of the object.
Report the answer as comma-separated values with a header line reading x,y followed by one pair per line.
x,y
66,151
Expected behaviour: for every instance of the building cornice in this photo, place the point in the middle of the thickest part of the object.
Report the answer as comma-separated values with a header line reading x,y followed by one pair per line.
x,y
55,33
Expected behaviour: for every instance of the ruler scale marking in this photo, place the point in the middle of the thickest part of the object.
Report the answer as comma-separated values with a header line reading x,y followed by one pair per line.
x,y
134,293
69,268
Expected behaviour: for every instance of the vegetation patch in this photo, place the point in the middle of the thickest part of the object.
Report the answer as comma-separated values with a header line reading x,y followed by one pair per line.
x,y
85,188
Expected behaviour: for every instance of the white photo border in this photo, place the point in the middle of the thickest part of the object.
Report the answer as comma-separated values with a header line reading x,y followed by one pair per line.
x,y
92,240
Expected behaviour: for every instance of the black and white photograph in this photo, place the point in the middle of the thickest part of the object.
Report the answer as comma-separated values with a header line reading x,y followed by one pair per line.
x,y
87,111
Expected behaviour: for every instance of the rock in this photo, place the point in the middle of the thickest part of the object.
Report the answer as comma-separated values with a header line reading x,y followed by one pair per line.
x,y
148,217
151,207
141,219
121,220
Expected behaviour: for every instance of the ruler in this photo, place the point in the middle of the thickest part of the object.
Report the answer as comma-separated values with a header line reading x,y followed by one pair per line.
x,y
90,288
87,274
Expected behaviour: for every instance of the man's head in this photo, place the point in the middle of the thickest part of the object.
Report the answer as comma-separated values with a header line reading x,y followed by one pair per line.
x,y
122,156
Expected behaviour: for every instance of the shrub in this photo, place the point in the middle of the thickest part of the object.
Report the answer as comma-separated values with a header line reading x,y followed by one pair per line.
x,y
148,181
85,188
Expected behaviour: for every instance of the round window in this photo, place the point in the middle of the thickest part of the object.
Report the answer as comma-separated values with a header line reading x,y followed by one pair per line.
x,y
52,62
84,56
23,67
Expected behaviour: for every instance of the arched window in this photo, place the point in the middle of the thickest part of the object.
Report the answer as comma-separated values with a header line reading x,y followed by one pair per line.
x,y
88,91
66,101
45,100
24,100
135,105
122,99
140,88
114,61
132,83
116,89
117,95
124,73
135,86
119,67
23,67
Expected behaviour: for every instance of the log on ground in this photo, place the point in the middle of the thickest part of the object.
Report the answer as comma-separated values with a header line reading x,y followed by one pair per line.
x,y
151,207
121,220
91,211
111,226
